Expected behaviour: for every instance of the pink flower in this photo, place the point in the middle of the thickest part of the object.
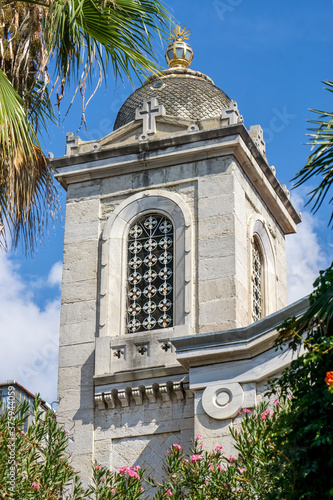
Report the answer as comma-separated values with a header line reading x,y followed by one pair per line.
x,y
98,467
199,436
133,473
177,446
232,459
130,471
142,489
174,476
266,414
246,410
168,493
211,468
67,431
218,447
123,470
194,458
243,469
221,467
36,486
276,401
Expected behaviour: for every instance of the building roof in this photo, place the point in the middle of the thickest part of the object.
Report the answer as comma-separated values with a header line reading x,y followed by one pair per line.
x,y
184,93
13,383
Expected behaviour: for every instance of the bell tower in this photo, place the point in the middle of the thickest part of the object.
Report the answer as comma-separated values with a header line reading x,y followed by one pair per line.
x,y
174,256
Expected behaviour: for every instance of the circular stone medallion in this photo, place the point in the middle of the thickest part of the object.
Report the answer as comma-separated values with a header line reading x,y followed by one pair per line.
x,y
222,401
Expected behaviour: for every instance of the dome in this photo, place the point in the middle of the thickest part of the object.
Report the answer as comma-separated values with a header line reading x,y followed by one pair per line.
x,y
184,93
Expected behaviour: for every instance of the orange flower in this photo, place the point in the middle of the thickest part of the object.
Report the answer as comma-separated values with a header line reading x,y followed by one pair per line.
x,y
329,379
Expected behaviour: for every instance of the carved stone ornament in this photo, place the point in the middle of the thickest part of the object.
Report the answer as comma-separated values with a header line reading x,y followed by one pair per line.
x,y
140,395
232,114
222,401
147,113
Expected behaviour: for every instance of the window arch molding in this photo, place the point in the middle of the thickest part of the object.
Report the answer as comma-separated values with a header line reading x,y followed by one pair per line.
x,y
258,232
113,264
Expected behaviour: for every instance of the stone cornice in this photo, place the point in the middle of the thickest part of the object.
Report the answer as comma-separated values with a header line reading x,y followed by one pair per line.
x,y
240,343
135,376
190,147
143,394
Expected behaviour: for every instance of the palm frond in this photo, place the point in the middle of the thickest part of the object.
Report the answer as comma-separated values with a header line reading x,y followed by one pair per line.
x,y
82,37
78,29
41,112
320,163
317,319
27,191
94,35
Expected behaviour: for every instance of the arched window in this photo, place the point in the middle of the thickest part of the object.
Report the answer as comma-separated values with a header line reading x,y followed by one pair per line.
x,y
257,280
150,280
262,269
114,285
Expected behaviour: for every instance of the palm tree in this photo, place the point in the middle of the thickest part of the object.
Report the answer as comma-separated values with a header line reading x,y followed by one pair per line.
x,y
319,316
78,37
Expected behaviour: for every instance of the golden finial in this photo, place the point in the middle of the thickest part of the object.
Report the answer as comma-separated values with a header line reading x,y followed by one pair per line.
x,y
179,53
179,34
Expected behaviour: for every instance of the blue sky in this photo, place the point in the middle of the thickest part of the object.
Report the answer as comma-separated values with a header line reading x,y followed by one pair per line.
x,y
270,57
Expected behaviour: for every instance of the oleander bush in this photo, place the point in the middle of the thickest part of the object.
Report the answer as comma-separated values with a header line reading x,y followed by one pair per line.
x,y
42,467
34,464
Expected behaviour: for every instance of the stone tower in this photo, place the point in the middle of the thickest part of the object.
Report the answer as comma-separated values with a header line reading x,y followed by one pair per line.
x,y
174,272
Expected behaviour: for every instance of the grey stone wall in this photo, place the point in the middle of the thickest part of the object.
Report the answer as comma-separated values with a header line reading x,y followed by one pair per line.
x,y
78,324
141,435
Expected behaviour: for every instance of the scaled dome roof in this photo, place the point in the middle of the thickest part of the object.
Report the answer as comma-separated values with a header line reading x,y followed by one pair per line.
x,y
184,93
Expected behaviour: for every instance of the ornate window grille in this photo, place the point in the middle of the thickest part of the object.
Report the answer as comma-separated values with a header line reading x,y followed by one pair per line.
x,y
150,274
257,271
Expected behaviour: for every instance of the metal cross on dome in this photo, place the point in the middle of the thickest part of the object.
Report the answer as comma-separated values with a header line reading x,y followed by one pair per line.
x,y
147,113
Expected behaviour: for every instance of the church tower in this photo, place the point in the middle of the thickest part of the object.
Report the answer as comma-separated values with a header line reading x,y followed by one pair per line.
x,y
174,274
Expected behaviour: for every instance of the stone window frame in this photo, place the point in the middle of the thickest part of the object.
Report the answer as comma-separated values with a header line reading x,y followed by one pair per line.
x,y
112,299
258,231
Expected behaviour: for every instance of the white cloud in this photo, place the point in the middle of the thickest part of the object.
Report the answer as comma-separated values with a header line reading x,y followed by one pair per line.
x,y
29,334
305,256
55,275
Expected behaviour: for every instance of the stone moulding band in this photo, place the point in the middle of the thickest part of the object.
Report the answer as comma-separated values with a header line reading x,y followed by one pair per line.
x,y
130,397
